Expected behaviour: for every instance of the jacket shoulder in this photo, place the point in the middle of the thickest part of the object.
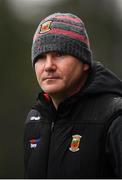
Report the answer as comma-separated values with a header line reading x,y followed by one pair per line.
x,y
117,103
114,110
115,107
33,115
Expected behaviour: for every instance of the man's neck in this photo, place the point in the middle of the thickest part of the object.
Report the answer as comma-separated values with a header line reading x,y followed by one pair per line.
x,y
57,100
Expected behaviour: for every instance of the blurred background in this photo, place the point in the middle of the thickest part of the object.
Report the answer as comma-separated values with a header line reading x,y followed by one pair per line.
x,y
19,88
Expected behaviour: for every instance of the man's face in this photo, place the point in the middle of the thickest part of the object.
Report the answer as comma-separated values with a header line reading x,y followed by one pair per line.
x,y
59,73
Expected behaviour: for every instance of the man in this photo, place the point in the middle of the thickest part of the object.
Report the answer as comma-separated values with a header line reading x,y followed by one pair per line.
x,y
75,128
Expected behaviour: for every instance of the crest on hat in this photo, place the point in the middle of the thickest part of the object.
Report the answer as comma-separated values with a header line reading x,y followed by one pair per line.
x,y
45,27
74,146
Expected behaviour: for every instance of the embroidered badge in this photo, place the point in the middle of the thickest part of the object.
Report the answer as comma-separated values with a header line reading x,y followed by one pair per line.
x,y
34,143
74,147
45,27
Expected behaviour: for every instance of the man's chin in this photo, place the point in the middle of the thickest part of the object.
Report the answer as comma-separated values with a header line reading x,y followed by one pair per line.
x,y
53,91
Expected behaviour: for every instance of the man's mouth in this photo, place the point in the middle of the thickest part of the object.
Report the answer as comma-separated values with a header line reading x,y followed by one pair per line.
x,y
51,78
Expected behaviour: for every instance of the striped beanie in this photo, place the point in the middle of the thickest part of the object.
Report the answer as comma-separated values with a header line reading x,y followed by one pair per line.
x,y
62,32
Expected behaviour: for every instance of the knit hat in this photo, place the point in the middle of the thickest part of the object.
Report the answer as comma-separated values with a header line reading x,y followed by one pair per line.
x,y
62,32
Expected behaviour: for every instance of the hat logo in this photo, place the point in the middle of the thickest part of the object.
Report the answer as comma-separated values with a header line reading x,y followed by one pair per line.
x,y
74,146
45,27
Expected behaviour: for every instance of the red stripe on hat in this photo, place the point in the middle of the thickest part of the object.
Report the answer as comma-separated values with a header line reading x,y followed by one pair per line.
x,y
70,34
69,24
75,19
64,32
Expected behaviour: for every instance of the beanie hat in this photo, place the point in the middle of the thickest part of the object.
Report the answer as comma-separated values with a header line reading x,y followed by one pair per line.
x,y
62,32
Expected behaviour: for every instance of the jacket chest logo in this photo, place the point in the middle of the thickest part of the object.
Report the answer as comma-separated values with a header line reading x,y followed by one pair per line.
x,y
74,146
34,143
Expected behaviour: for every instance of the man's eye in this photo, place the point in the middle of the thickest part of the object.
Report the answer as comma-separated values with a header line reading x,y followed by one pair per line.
x,y
60,54
42,56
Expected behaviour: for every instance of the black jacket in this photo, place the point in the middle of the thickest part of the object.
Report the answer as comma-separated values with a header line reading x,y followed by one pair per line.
x,y
83,138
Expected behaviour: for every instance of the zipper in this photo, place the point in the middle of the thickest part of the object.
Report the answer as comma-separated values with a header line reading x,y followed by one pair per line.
x,y
53,123
52,126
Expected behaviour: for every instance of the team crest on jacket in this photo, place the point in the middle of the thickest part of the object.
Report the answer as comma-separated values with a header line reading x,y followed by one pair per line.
x,y
74,147
45,27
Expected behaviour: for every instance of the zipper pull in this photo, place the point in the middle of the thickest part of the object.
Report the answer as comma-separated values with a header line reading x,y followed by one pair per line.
x,y
52,126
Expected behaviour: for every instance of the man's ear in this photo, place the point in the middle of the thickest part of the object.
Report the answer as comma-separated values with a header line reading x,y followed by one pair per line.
x,y
85,67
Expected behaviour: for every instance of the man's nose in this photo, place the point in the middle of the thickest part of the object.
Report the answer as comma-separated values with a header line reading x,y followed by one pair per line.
x,y
49,64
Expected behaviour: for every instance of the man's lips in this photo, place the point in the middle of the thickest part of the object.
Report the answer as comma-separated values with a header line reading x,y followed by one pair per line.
x,y
50,78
